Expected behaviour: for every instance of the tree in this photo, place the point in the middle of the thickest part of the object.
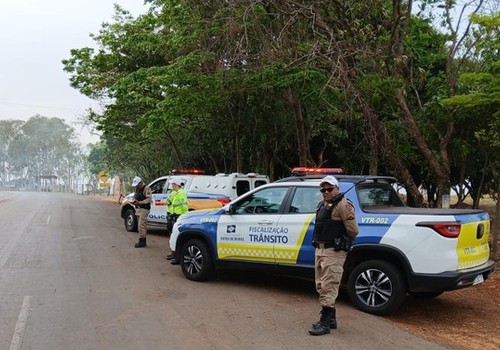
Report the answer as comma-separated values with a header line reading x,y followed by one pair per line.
x,y
267,85
43,146
480,98
8,130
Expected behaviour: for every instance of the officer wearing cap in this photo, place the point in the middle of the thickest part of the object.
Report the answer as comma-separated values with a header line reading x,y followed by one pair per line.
x,y
177,204
142,203
334,230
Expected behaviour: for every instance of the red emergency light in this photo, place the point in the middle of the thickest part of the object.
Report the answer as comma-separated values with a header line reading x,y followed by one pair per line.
x,y
301,171
187,171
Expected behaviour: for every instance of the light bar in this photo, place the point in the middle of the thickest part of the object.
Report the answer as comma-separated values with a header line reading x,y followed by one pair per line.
x,y
300,171
187,171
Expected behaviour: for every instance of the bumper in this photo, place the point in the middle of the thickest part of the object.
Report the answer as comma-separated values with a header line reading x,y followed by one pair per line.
x,y
450,280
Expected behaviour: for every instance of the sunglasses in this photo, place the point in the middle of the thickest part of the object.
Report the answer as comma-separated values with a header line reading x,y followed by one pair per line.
x,y
329,189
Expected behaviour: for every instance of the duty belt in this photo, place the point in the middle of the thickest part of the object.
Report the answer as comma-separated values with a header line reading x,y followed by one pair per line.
x,y
324,245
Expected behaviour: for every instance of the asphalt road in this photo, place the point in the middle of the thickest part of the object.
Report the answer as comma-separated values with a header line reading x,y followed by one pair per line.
x,y
70,278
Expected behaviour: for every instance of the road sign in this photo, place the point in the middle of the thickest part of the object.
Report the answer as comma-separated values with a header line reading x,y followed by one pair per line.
x,y
103,176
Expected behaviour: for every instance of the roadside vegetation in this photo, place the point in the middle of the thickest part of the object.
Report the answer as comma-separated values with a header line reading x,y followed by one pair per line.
x,y
374,87
384,87
39,154
401,88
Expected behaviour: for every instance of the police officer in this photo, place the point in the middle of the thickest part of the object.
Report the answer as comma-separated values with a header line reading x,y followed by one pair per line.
x,y
177,204
142,203
334,230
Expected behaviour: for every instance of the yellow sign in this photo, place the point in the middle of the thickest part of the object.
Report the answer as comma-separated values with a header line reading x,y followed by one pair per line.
x,y
104,185
103,176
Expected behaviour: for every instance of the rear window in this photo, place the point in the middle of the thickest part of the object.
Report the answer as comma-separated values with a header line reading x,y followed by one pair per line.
x,y
260,183
242,187
375,195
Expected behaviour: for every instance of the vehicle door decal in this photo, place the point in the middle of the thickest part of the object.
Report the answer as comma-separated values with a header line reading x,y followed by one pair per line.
x,y
288,254
251,252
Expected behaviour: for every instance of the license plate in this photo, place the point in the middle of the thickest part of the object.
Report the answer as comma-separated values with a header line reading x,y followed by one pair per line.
x,y
479,279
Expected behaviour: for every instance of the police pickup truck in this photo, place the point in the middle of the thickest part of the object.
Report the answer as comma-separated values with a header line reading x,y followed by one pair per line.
x,y
399,250
203,192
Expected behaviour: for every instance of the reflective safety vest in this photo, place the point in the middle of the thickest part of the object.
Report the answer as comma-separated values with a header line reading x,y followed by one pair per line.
x,y
177,202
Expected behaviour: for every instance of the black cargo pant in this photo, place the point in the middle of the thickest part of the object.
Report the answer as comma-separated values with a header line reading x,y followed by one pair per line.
x,y
171,219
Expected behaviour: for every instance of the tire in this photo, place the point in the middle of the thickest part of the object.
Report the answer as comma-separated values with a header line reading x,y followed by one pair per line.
x,y
376,287
130,220
196,261
425,295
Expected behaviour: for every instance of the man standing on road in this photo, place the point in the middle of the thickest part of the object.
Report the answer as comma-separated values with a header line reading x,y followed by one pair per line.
x,y
334,231
142,203
177,204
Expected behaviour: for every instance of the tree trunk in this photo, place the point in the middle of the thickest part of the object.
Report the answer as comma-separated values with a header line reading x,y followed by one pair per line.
x,y
387,146
496,226
373,143
175,148
302,148
385,143
441,167
479,190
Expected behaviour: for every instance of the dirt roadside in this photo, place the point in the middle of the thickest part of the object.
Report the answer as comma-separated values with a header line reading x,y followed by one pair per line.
x,y
466,319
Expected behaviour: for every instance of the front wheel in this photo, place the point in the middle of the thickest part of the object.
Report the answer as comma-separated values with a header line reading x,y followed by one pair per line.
x,y
376,287
130,220
196,261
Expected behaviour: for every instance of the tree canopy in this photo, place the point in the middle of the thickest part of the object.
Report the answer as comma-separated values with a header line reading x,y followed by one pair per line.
x,y
376,87
39,147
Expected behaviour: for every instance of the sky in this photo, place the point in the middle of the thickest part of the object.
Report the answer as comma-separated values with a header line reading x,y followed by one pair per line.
x,y
35,36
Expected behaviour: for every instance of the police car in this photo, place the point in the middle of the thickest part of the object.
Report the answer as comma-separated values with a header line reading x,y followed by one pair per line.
x,y
399,250
203,192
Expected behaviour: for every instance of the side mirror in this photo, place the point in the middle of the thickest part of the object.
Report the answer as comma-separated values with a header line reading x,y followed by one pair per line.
x,y
229,209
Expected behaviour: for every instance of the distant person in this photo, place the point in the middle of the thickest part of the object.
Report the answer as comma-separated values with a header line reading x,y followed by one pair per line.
x,y
142,202
334,230
177,204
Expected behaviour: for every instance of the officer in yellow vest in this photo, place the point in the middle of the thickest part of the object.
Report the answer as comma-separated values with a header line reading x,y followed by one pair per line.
x,y
177,204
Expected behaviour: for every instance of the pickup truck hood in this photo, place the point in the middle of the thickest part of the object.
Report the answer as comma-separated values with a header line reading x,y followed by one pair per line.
x,y
197,214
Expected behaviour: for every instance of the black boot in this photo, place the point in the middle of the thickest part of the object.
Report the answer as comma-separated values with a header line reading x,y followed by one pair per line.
x,y
141,243
323,326
170,256
333,320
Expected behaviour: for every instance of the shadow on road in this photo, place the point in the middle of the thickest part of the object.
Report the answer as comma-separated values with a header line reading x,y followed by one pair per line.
x,y
272,282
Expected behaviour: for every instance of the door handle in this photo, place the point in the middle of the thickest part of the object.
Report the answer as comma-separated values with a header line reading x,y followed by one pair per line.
x,y
265,222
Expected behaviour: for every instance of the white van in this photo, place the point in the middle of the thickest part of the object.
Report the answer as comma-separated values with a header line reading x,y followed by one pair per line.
x,y
203,191
231,185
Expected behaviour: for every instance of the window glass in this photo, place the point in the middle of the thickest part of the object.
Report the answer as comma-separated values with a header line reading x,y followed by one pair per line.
x,y
305,200
169,188
266,201
242,186
157,187
378,196
259,183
